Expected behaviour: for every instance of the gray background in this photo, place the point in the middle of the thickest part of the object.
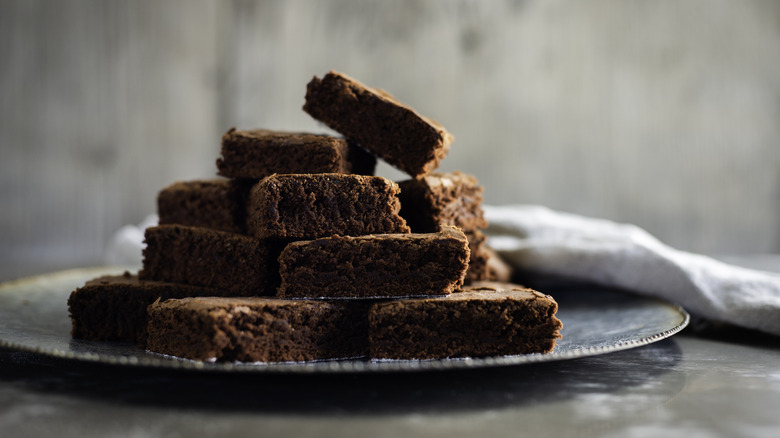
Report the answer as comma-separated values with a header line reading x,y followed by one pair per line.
x,y
665,114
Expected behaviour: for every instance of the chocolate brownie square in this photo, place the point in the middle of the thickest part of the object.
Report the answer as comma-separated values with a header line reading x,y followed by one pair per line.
x,y
309,206
378,122
258,329
219,204
478,261
255,154
477,322
386,265
452,198
113,308
498,268
240,265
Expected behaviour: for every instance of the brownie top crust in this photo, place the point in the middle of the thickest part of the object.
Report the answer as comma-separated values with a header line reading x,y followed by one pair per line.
x,y
281,138
492,291
449,180
231,304
124,279
197,185
129,279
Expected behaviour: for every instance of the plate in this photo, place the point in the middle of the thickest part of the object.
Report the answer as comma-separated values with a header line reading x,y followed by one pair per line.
x,y
34,317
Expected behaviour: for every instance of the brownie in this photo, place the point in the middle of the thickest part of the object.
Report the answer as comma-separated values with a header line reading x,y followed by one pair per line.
x,y
478,260
308,206
498,268
241,265
113,308
255,154
477,322
452,198
219,204
378,122
258,329
387,265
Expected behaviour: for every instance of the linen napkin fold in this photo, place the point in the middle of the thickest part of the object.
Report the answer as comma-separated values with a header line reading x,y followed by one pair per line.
x,y
539,239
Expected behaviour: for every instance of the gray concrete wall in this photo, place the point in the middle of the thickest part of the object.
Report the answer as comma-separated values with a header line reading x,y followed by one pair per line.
x,y
665,114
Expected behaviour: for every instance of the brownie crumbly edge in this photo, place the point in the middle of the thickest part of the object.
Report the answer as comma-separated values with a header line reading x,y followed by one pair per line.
x,y
387,265
309,206
378,122
452,198
498,268
478,260
255,154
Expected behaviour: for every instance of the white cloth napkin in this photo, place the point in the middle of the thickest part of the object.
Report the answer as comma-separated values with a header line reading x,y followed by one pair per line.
x,y
126,245
539,239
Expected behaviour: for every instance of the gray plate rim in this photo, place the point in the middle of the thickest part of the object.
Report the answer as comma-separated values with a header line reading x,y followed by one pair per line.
x,y
144,359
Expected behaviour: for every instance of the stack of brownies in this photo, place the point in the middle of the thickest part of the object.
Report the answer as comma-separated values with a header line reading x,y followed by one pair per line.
x,y
299,253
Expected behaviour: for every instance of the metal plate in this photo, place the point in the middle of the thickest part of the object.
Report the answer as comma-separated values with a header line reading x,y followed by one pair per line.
x,y
34,317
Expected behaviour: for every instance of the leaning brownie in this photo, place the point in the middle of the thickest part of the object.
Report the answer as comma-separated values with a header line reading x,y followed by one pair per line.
x,y
318,205
113,308
258,329
219,204
386,265
452,198
378,122
476,322
241,265
255,154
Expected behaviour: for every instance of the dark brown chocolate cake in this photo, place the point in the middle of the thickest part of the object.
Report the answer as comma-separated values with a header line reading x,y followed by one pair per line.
x,y
478,261
113,308
378,122
218,204
241,265
386,265
452,198
498,269
319,205
258,329
255,154
476,322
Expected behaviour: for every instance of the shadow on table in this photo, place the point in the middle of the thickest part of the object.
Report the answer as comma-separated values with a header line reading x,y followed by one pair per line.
x,y
382,393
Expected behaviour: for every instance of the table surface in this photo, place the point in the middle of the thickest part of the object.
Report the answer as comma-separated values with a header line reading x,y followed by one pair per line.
x,y
710,380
